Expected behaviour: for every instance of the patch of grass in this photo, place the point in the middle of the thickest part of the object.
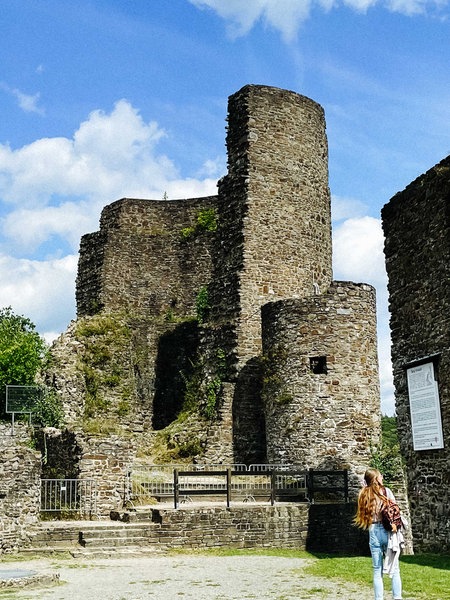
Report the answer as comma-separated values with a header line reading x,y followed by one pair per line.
x,y
424,577
228,551
355,569
102,426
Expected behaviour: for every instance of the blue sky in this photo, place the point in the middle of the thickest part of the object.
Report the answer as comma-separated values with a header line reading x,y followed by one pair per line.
x,y
102,99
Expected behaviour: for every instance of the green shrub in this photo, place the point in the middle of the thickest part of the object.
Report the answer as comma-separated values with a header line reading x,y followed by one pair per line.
x,y
386,456
207,219
48,410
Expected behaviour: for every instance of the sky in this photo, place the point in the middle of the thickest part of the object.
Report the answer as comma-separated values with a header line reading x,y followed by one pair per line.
x,y
104,99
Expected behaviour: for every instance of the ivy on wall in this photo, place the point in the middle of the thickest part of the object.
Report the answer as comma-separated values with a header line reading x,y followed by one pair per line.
x,y
202,304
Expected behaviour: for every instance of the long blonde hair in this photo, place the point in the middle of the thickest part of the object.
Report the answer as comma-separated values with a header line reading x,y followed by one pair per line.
x,y
370,499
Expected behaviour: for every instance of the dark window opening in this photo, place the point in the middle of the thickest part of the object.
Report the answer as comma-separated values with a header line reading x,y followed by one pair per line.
x,y
318,365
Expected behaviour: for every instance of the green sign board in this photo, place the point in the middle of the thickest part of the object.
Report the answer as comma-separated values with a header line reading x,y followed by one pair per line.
x,y
22,398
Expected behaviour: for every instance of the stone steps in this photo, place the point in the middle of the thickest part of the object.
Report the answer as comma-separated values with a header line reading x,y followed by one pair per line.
x,y
113,537
101,538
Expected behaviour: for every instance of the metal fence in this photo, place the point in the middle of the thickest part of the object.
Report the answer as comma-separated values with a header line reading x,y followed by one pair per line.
x,y
263,481
146,481
244,485
69,496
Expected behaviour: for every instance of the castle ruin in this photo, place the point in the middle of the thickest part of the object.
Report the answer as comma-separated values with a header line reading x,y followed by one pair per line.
x,y
284,357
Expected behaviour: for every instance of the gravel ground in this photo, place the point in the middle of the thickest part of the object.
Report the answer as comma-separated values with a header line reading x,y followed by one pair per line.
x,y
181,577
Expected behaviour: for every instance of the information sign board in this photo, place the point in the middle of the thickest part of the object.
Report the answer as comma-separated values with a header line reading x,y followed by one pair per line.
x,y
425,407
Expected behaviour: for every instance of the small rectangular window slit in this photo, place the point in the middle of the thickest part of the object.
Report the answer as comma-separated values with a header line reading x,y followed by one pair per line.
x,y
318,365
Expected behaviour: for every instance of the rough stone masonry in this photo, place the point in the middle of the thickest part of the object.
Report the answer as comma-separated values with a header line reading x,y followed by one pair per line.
x,y
416,225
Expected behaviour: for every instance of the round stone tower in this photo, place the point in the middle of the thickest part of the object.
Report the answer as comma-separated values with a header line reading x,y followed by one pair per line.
x,y
274,210
321,387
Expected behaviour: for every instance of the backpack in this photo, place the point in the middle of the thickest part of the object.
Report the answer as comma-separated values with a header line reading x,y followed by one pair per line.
x,y
390,515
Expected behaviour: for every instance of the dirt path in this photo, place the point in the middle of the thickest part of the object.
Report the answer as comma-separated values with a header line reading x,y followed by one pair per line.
x,y
183,577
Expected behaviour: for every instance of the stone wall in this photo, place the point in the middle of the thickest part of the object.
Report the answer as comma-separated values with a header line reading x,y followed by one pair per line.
x,y
416,224
317,528
327,529
140,261
20,471
321,388
107,461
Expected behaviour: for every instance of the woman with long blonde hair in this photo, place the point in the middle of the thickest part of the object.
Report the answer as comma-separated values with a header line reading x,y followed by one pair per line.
x,y
371,500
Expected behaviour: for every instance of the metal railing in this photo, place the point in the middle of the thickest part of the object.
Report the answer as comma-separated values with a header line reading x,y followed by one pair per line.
x,y
268,481
147,481
69,496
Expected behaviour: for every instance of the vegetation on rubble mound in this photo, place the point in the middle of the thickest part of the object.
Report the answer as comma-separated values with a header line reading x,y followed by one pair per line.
x,y
105,338
179,442
185,438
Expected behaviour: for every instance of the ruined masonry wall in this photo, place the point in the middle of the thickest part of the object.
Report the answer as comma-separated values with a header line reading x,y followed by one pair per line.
x,y
273,243
416,225
331,419
20,471
107,462
140,262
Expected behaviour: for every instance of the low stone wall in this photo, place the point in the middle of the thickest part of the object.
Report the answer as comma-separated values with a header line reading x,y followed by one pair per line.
x,y
319,528
316,528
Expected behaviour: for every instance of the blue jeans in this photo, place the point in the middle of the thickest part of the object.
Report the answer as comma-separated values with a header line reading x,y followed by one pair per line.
x,y
378,540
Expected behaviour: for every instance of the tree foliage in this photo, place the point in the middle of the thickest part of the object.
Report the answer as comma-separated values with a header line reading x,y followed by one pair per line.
x,y
48,410
386,457
22,350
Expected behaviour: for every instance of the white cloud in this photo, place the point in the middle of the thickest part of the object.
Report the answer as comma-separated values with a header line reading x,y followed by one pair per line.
x,y
358,251
52,192
213,168
43,291
242,16
108,154
28,103
287,16
27,228
344,208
